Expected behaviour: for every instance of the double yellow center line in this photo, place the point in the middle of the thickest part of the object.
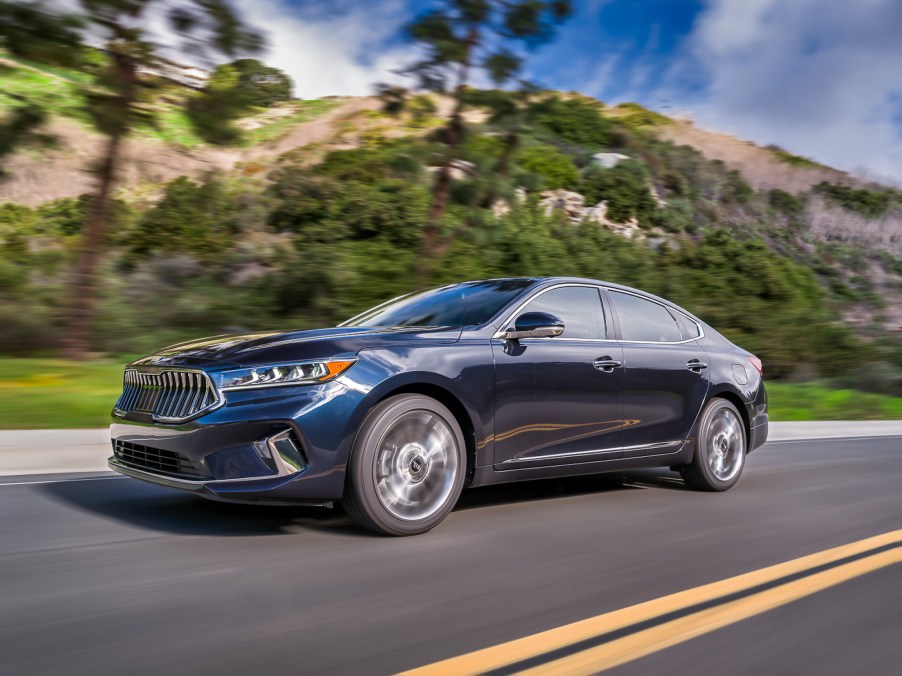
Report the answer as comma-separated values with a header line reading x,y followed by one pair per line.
x,y
605,641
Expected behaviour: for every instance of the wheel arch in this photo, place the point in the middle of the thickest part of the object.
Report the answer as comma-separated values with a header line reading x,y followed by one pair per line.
x,y
447,398
741,406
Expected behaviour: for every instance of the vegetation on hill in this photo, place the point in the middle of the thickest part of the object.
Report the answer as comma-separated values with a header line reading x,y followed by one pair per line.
x,y
310,245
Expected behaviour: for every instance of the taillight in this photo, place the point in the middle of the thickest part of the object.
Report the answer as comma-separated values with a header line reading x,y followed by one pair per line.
x,y
757,364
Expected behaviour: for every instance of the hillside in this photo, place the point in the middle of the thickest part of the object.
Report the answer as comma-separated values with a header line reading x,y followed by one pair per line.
x,y
317,211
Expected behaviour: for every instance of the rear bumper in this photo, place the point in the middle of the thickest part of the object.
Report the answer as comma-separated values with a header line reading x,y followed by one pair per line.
x,y
758,419
223,455
758,436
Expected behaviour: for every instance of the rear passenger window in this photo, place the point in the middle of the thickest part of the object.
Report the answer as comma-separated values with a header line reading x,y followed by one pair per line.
x,y
688,327
579,307
644,320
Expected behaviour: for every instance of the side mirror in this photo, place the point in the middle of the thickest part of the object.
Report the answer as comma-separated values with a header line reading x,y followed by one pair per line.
x,y
535,325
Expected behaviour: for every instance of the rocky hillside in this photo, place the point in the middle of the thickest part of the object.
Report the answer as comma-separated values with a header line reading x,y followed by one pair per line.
x,y
318,209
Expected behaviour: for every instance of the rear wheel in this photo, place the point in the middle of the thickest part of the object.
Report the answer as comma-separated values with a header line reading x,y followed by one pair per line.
x,y
407,467
720,450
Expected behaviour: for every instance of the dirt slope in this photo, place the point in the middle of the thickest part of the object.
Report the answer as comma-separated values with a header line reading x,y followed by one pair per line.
x,y
760,167
36,176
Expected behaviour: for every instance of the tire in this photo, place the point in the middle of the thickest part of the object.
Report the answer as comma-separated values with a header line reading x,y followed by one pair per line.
x,y
407,466
720,451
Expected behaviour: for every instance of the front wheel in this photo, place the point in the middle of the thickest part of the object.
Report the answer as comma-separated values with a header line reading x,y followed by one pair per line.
x,y
720,450
407,467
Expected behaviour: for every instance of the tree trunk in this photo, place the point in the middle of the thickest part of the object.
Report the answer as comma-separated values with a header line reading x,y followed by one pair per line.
x,y
441,191
82,304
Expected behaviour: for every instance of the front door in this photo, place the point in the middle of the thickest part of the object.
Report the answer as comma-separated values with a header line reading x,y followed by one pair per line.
x,y
558,400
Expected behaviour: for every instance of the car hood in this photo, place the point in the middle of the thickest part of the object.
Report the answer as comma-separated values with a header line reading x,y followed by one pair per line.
x,y
253,349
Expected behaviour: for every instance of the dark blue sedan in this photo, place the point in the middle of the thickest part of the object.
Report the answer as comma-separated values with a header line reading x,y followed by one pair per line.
x,y
395,411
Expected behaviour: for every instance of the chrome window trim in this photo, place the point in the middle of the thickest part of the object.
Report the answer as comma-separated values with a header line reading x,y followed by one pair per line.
x,y
159,370
701,332
500,333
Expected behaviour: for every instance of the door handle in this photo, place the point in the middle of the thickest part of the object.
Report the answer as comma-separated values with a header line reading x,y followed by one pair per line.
x,y
606,364
695,365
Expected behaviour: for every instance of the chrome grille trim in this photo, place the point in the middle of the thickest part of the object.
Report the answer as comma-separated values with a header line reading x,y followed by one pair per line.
x,y
167,395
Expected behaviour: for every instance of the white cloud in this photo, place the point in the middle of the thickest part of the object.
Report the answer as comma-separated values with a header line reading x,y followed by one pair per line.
x,y
339,49
819,77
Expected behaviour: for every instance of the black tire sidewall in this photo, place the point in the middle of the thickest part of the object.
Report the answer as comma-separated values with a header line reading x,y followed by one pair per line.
x,y
366,506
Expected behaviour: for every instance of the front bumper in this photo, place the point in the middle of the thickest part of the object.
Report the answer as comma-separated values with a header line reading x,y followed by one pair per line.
x,y
223,455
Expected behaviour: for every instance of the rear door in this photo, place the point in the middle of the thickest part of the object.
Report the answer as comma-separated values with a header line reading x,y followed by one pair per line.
x,y
666,374
555,401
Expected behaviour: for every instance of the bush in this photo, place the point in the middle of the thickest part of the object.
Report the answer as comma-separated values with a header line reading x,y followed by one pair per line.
x,y
191,219
867,203
625,189
556,169
259,84
572,121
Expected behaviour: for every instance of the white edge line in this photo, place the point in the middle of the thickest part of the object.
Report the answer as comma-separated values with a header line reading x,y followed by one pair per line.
x,y
61,481
872,437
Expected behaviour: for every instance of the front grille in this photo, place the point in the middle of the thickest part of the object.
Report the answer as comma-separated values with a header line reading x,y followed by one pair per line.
x,y
156,460
169,396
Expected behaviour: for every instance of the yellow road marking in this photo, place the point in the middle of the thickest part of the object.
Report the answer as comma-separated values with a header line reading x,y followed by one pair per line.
x,y
646,642
514,651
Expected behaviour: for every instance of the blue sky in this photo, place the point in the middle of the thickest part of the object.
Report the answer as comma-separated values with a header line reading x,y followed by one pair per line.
x,y
822,78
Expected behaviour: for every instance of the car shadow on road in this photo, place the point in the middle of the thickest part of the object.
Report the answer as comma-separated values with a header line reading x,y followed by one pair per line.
x,y
159,509
549,489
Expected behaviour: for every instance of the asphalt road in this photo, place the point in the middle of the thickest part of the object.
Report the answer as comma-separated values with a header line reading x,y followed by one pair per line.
x,y
110,576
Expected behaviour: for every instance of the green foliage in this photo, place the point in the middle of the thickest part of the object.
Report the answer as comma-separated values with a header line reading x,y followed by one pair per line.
x,y
233,91
636,116
450,34
868,203
422,109
822,401
624,187
190,219
28,31
572,121
765,302
781,200
260,84
65,216
214,110
556,169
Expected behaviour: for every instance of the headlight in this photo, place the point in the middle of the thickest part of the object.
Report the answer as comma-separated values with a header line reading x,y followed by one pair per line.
x,y
300,373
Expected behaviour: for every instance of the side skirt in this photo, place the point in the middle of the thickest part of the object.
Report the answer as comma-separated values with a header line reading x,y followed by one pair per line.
x,y
488,475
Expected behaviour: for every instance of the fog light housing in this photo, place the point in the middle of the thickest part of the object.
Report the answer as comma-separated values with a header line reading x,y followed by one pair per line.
x,y
282,452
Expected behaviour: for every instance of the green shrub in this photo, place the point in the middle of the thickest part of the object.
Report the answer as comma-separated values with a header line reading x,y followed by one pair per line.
x,y
556,169
625,189
191,219
572,121
868,203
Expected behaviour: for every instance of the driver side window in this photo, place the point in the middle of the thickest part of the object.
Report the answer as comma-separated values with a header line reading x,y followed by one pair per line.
x,y
579,307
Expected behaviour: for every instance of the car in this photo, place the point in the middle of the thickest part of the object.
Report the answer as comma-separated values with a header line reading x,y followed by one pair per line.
x,y
395,411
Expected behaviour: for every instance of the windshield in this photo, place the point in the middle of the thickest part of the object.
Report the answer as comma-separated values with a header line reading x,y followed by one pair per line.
x,y
467,304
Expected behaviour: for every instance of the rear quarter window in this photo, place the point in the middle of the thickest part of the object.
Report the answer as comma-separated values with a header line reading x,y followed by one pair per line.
x,y
644,320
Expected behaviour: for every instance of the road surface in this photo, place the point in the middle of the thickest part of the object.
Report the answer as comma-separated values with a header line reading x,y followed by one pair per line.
x,y
102,575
